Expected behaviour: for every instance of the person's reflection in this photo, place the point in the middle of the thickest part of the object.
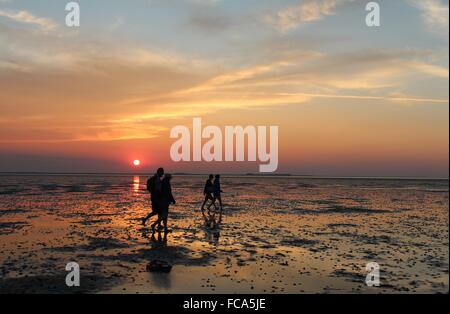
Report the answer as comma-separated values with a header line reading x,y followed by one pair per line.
x,y
212,227
212,236
160,241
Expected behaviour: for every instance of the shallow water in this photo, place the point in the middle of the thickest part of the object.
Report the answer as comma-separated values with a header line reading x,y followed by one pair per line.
x,y
279,235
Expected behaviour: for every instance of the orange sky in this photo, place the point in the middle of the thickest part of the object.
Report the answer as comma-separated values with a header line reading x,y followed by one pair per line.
x,y
349,100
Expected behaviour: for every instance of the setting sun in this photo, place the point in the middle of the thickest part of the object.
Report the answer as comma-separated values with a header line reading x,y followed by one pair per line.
x,y
137,163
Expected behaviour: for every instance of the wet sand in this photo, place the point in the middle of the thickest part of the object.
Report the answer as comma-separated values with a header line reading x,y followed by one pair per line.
x,y
279,235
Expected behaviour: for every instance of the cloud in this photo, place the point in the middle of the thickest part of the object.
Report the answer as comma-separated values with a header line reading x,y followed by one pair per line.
x,y
59,87
104,93
435,14
28,18
304,12
429,69
366,70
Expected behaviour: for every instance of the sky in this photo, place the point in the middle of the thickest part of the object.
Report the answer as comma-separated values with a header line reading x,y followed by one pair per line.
x,y
349,100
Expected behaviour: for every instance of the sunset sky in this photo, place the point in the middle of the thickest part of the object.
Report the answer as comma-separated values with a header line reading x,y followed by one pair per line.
x,y
349,100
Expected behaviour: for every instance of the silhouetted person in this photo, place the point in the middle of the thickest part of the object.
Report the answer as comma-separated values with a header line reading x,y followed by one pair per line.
x,y
208,191
217,191
154,186
164,203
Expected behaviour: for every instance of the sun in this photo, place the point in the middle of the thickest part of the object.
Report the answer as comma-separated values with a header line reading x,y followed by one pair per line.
x,y
137,163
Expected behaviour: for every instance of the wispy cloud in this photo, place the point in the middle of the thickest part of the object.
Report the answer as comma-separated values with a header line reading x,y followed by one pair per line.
x,y
28,18
304,12
435,15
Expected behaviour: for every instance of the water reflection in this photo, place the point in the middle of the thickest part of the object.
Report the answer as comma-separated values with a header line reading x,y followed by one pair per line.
x,y
158,240
136,184
212,222
212,236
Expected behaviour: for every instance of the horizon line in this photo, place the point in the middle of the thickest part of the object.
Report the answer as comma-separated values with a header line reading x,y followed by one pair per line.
x,y
249,174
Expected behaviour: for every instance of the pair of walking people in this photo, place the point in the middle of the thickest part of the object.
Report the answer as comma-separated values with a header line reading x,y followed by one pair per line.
x,y
161,196
212,192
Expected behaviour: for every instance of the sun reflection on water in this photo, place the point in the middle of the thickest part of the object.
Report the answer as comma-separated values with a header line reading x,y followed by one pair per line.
x,y
136,184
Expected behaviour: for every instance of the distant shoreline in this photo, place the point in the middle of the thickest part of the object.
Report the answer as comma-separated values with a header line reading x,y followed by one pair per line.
x,y
249,175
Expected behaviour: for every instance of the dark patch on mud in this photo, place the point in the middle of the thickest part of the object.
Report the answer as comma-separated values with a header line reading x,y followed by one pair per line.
x,y
350,276
299,242
49,187
11,227
4,212
339,209
342,226
94,244
77,189
304,211
56,284
174,255
94,222
368,239
12,191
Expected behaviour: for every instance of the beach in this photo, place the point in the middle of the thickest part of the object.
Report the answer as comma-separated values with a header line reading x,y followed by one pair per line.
x,y
278,235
